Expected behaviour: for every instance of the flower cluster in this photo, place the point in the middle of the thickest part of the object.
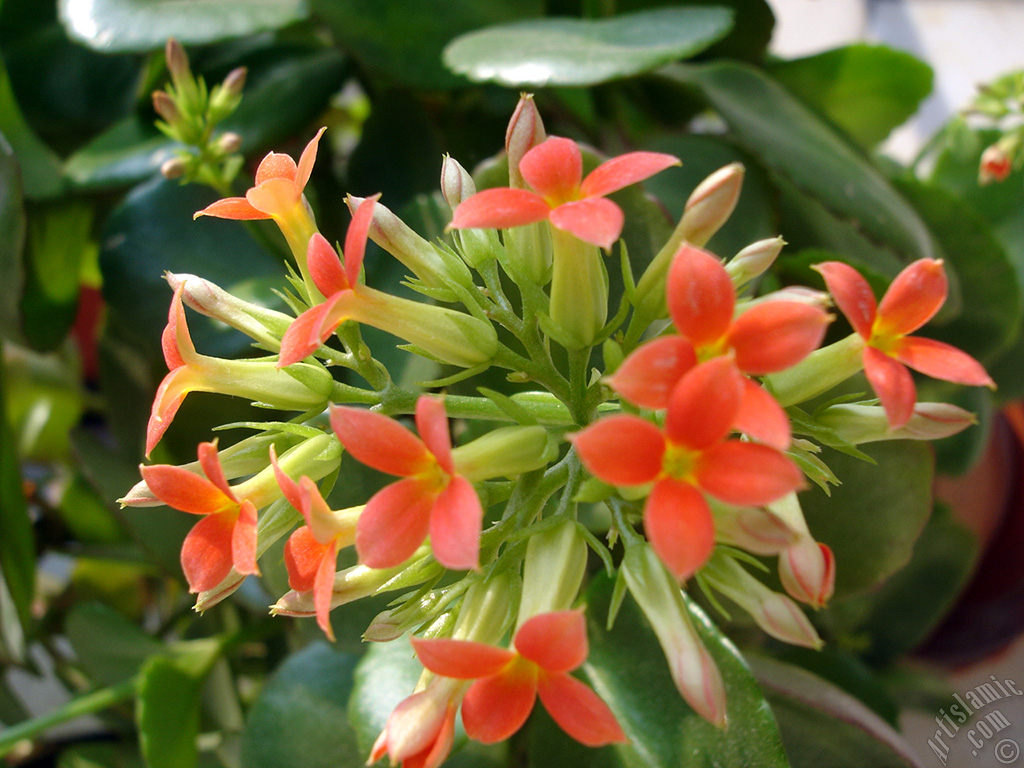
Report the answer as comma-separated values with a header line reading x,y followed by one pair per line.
x,y
683,439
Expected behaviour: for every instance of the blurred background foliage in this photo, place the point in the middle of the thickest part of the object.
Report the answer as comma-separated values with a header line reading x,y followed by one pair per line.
x,y
94,615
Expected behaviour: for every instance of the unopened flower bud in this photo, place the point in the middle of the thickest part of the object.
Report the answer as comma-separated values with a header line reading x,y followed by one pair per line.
x,y
858,424
166,107
995,165
755,530
173,168
224,98
754,260
484,613
504,452
383,628
266,326
177,61
228,143
235,81
456,183
711,204
693,670
807,571
818,372
800,294
350,584
525,131
579,291
556,560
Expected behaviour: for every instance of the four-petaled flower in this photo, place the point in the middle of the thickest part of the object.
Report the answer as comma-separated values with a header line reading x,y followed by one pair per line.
x,y
547,648
912,300
690,458
433,498
311,552
554,170
225,537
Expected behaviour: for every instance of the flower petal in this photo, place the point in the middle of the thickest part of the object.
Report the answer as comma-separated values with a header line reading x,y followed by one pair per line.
x,y
288,487
461,659
624,170
325,267
776,335
913,298
942,361
175,341
206,553
275,196
355,238
497,706
302,556
762,418
746,474
323,589
650,373
276,165
555,642
500,208
704,405
243,540
306,160
237,208
210,463
593,220
579,711
851,293
679,526
379,442
553,168
432,425
893,384
184,490
700,296
455,523
307,333
600,447
393,524
169,396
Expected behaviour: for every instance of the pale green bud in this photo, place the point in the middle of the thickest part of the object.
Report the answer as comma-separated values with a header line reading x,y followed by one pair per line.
x,y
556,560
504,452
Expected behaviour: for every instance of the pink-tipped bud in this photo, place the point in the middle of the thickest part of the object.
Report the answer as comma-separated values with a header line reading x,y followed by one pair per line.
x,y
350,584
264,325
859,424
456,183
177,61
525,131
228,143
384,628
754,530
754,260
166,107
234,83
174,168
807,571
711,204
995,165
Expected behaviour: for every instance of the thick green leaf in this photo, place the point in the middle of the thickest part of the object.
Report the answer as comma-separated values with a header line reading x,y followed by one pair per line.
x,y
580,52
823,726
126,153
628,670
108,647
167,714
874,518
402,41
44,402
801,149
299,719
866,90
145,25
12,242
17,544
40,168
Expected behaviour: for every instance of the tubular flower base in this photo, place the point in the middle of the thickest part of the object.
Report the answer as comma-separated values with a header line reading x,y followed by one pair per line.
x,y
912,300
547,648
225,537
433,498
420,731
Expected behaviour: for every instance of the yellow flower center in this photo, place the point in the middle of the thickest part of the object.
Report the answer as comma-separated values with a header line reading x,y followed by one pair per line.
x,y
679,462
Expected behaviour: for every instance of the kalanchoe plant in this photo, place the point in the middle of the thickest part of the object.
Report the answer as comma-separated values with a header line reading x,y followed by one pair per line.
x,y
679,433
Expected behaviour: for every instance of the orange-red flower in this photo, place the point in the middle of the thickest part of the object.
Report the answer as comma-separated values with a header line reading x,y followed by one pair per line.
x,y
912,300
547,648
225,537
432,498
690,458
420,731
554,170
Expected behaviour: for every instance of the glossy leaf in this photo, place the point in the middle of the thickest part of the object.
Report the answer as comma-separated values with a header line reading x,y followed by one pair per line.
x,y
866,90
822,725
108,646
144,25
803,151
580,52
167,714
874,518
385,675
40,168
12,241
299,719
628,670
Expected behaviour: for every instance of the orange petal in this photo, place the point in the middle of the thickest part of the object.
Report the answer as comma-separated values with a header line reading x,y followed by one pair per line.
x,y
942,361
355,237
500,208
553,168
184,490
913,298
776,335
648,376
678,523
455,522
323,589
704,405
555,642
700,296
594,220
275,196
206,554
624,170
893,384
497,706
621,449
237,208
325,267
432,424
762,418
276,165
288,487
210,462
175,341
579,711
461,659
243,540
746,474
307,333
169,396
307,159
302,557
851,293
393,524
380,442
